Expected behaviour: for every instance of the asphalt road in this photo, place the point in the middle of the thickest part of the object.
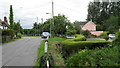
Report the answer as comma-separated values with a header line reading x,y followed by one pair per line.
x,y
21,52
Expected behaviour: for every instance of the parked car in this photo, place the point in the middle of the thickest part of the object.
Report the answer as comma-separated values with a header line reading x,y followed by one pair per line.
x,y
45,34
111,36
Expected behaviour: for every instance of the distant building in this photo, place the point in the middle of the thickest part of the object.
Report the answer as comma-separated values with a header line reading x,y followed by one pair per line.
x,y
4,24
90,26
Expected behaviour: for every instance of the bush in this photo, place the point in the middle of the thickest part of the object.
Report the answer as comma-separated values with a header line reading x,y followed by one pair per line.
x,y
104,34
117,39
98,57
19,35
72,45
44,58
70,32
86,33
8,32
79,38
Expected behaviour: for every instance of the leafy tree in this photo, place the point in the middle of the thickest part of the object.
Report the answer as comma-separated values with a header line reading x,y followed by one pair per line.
x,y
11,17
77,27
17,28
112,24
100,11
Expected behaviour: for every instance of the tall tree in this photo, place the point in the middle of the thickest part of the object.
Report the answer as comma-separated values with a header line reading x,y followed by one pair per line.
x,y
11,20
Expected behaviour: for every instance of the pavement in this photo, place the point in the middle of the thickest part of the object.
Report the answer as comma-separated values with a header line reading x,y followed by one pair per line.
x,y
22,52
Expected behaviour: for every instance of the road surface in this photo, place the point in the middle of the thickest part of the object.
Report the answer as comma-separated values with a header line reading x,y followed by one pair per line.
x,y
21,52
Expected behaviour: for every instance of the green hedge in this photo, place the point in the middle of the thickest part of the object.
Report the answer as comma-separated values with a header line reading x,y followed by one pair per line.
x,y
79,38
72,45
8,32
99,57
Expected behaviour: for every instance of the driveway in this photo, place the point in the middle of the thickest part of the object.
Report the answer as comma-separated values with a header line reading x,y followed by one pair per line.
x,y
21,52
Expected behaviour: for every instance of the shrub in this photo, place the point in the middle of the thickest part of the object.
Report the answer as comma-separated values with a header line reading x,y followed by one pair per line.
x,y
117,39
72,45
104,34
43,60
86,33
79,38
19,35
70,32
98,57
8,32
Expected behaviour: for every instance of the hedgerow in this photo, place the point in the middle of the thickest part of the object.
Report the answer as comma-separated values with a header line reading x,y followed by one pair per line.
x,y
72,46
99,57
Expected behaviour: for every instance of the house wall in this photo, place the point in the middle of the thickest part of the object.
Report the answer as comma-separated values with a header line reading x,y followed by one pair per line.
x,y
89,26
97,33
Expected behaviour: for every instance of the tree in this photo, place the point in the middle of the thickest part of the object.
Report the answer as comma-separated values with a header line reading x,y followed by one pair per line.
x,y
77,27
112,24
17,27
100,11
11,17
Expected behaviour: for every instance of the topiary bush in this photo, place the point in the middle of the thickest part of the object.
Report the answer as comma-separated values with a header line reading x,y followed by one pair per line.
x,y
79,38
99,57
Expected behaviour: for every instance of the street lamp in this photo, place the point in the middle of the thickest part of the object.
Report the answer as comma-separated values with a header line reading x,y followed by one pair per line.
x,y
50,24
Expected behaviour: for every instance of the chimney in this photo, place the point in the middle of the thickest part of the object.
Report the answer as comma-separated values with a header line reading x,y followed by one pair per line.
x,y
5,19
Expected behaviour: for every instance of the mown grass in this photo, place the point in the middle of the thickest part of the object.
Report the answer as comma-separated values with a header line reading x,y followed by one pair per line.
x,y
40,52
58,60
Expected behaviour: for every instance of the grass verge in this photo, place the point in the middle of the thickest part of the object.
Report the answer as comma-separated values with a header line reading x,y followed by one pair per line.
x,y
57,57
40,52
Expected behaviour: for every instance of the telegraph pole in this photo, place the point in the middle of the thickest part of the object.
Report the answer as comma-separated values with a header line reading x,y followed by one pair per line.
x,y
52,17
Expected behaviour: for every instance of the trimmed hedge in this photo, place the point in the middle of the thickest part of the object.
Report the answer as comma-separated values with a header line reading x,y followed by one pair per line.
x,y
72,45
105,56
79,38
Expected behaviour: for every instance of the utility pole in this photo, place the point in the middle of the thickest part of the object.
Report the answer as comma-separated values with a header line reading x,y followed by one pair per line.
x,y
52,17
36,27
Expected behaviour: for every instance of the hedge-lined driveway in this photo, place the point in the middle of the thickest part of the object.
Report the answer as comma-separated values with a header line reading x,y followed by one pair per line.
x,y
21,52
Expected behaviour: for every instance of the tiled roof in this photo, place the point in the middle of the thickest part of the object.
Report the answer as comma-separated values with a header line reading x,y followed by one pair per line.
x,y
97,33
89,26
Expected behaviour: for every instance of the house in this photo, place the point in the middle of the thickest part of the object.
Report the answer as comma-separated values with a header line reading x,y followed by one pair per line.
x,y
90,26
4,24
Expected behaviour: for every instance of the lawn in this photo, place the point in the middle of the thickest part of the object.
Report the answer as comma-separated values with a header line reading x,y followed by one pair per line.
x,y
58,60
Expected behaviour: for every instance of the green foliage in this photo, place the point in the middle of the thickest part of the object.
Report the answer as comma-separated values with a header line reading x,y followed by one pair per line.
x,y
44,58
72,45
70,32
117,39
79,37
19,35
17,28
105,33
98,12
8,32
86,33
112,22
11,17
98,57
106,37
77,27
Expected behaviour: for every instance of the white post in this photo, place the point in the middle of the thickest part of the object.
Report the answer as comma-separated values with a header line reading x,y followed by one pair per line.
x,y
46,46
47,64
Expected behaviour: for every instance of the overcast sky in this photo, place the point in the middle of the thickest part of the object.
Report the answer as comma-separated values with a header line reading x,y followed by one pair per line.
x,y
27,11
